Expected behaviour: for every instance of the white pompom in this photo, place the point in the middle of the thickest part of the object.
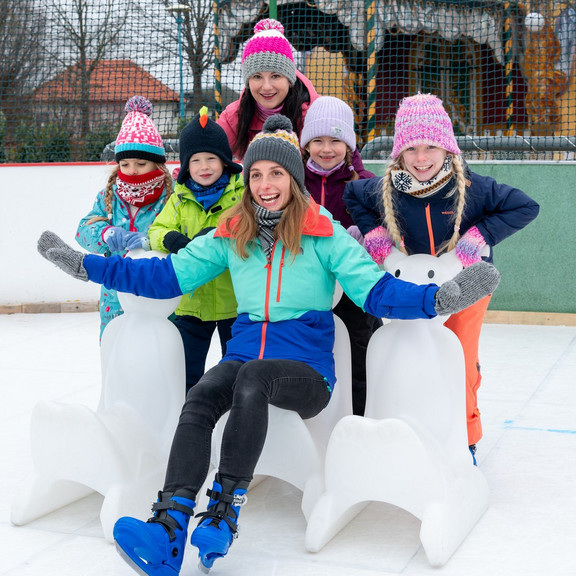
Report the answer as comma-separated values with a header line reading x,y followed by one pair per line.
x,y
534,22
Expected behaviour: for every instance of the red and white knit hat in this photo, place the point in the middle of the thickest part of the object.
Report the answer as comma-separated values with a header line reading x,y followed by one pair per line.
x,y
421,119
268,51
138,136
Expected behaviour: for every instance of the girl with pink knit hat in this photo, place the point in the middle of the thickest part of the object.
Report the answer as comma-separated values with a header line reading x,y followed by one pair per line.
x,y
272,85
430,202
137,190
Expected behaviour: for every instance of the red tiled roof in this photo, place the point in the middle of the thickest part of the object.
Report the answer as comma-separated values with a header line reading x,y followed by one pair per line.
x,y
111,80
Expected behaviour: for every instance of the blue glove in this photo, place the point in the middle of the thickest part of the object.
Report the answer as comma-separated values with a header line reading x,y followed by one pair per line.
x,y
137,240
116,238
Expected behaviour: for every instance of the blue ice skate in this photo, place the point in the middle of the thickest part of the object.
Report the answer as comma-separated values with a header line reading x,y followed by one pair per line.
x,y
156,547
472,449
219,525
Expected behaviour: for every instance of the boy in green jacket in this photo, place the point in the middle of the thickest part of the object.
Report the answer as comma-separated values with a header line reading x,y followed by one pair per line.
x,y
207,185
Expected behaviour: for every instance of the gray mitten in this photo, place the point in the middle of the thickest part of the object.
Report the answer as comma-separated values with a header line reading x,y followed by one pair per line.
x,y
466,288
54,249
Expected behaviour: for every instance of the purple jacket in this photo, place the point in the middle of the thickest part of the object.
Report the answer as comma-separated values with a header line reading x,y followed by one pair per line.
x,y
328,190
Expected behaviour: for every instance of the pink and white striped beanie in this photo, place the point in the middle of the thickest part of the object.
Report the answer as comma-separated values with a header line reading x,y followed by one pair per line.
x,y
268,51
421,119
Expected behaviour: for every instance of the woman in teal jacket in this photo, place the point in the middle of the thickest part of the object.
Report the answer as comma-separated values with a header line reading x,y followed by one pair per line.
x,y
285,254
208,184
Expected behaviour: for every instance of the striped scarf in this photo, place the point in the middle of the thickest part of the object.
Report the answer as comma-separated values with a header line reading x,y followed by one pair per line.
x,y
404,182
267,221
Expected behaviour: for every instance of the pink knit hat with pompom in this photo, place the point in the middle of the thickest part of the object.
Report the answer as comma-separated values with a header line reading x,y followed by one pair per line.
x,y
421,119
268,51
138,136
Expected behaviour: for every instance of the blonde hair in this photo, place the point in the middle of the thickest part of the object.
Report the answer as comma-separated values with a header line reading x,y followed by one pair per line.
x,y
244,230
108,195
390,220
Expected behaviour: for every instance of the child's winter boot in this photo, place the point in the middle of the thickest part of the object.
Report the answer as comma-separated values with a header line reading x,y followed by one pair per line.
x,y
156,547
219,525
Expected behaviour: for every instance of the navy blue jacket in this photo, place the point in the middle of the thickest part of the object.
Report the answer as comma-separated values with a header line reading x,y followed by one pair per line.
x,y
497,210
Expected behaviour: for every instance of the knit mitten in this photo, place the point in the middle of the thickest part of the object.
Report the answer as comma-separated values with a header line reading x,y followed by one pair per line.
x,y
354,231
54,249
466,288
174,241
469,246
137,240
378,244
116,238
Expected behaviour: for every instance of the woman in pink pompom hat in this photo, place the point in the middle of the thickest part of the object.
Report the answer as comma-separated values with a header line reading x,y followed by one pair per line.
x,y
272,85
429,202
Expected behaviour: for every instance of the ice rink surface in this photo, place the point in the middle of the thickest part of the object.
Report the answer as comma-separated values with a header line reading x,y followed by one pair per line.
x,y
528,455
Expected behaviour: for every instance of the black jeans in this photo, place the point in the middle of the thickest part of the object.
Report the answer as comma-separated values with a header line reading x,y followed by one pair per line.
x,y
196,337
361,326
245,389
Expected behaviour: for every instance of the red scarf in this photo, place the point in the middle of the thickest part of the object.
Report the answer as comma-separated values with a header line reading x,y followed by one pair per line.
x,y
140,190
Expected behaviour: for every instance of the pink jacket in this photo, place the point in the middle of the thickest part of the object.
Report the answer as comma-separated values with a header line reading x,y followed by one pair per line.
x,y
228,120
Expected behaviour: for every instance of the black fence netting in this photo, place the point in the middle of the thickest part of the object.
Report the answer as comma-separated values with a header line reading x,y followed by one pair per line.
x,y
506,71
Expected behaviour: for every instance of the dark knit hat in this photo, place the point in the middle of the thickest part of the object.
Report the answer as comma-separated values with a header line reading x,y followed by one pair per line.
x,y
138,136
277,143
203,135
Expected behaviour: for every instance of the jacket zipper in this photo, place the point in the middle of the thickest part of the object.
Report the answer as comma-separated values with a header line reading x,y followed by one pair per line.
x,y
430,231
280,273
266,303
323,192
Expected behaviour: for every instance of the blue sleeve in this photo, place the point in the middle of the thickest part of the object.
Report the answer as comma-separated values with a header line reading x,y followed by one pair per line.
x,y
363,200
149,277
503,209
397,299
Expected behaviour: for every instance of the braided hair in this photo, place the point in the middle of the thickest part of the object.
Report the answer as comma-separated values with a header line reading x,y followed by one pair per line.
x,y
390,220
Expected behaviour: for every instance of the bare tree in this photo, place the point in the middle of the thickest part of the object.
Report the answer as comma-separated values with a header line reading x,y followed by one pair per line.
x,y
197,42
21,50
91,28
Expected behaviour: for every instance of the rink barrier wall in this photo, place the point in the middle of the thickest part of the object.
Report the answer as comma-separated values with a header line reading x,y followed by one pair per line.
x,y
537,264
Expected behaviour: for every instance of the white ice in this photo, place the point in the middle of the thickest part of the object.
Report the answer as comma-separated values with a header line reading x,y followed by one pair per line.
x,y
528,456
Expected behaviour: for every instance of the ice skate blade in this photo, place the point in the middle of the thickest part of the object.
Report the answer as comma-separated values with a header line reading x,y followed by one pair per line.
x,y
158,570
202,568
130,561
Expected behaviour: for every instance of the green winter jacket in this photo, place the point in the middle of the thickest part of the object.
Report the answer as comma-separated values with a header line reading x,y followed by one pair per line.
x,y
183,213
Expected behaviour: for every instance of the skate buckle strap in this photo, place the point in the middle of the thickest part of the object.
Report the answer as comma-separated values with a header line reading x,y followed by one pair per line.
x,y
237,500
217,517
169,523
172,505
228,514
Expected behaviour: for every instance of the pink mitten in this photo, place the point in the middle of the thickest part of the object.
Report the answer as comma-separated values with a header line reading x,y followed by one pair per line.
x,y
469,247
378,244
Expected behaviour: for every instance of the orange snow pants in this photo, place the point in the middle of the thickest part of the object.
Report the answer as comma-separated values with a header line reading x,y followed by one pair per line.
x,y
467,325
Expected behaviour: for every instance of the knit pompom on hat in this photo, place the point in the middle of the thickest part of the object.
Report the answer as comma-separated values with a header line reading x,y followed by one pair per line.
x,y
421,119
332,117
202,134
268,51
278,143
138,136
